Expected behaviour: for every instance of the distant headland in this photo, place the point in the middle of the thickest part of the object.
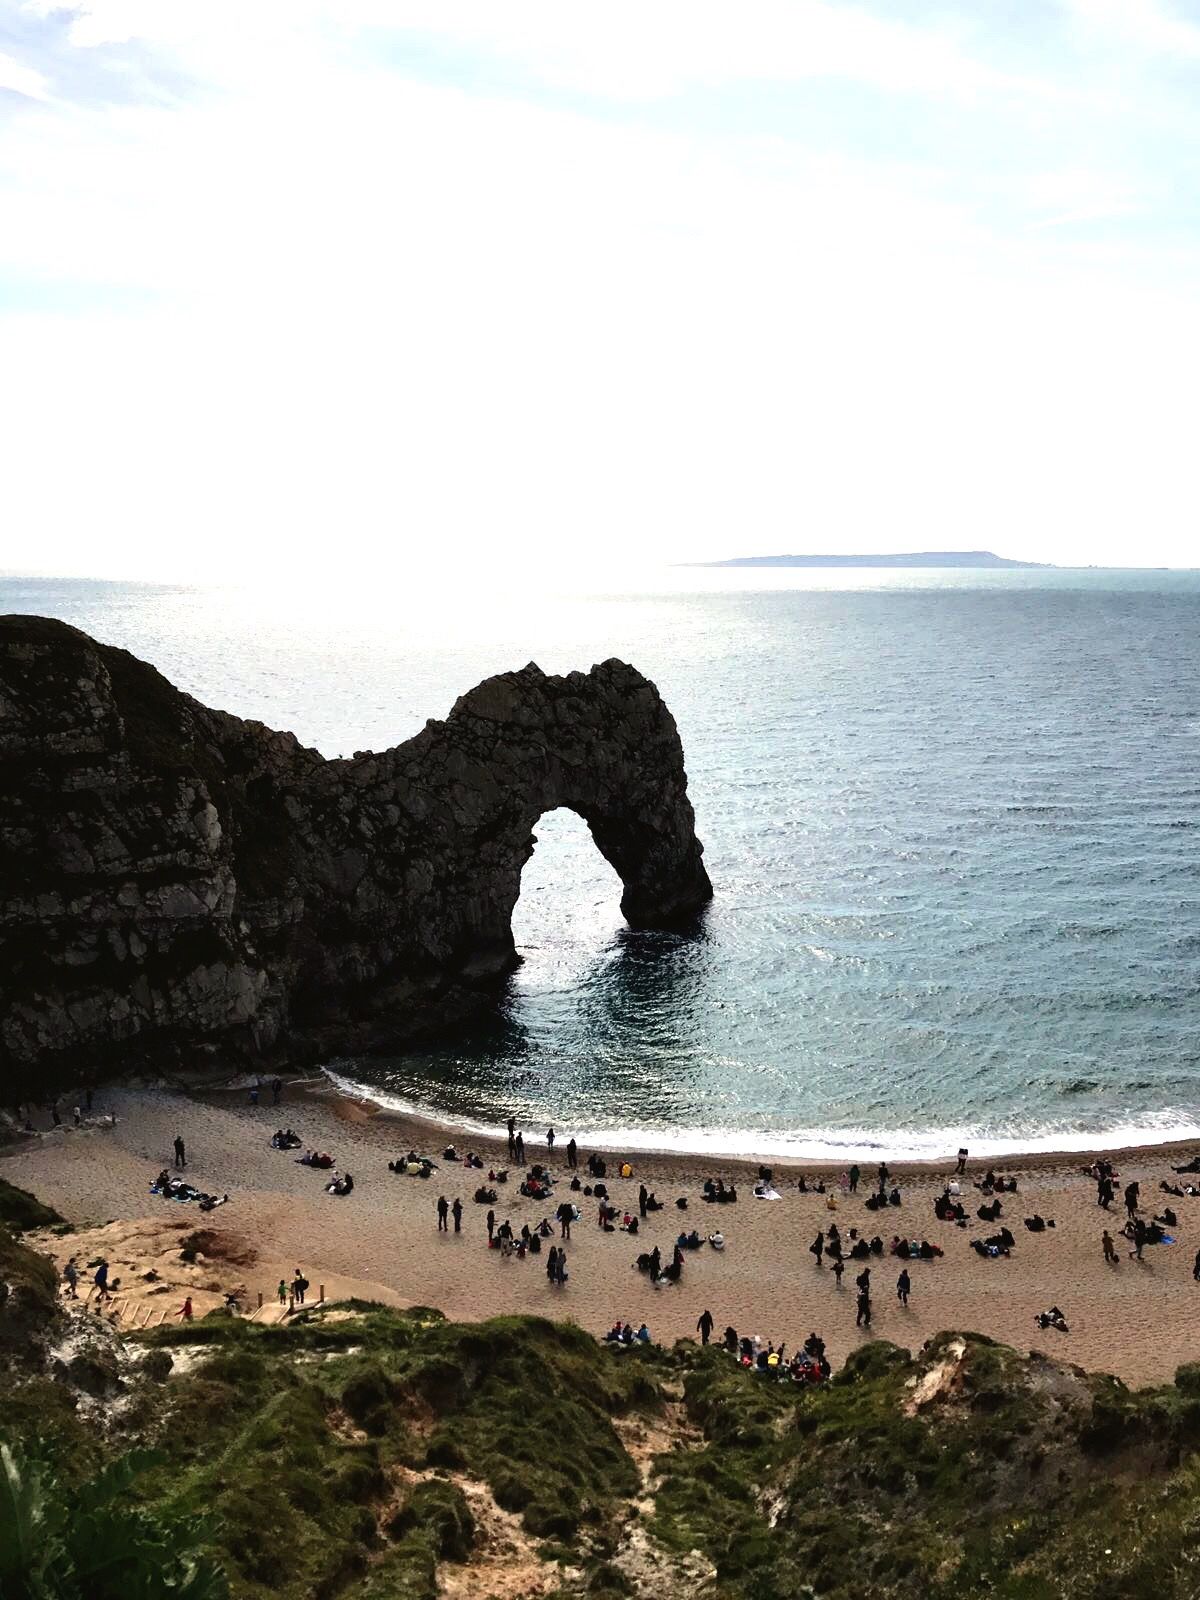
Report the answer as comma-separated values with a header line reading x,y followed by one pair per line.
x,y
917,558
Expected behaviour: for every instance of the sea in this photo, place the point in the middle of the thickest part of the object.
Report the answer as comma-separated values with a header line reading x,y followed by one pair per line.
x,y
952,820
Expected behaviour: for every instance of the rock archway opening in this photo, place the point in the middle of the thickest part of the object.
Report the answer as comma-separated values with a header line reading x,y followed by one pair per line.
x,y
569,907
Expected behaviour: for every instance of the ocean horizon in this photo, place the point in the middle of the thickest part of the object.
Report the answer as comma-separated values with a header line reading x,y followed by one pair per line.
x,y
950,817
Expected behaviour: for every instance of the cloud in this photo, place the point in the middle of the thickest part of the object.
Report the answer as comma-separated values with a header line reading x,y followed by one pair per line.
x,y
388,318
20,80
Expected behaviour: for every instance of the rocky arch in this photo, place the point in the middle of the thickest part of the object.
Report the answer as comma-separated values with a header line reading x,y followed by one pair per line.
x,y
178,883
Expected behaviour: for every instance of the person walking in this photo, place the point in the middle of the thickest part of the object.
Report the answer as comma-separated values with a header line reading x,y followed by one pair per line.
x,y
180,1153
1132,1190
863,1281
839,1266
705,1326
862,1317
1110,1249
903,1285
572,1153
855,1175
281,1292
1139,1238
1104,1192
520,1149
491,1225
101,1280
71,1278
185,1310
550,1140
299,1287
456,1213
443,1210
817,1247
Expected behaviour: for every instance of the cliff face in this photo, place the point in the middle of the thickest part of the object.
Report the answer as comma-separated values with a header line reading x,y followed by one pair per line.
x,y
177,883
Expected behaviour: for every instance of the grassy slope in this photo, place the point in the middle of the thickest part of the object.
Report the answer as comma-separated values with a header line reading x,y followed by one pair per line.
x,y
327,1452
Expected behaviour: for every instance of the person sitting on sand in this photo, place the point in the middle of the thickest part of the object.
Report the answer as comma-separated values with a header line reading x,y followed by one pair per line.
x,y
717,1240
1052,1319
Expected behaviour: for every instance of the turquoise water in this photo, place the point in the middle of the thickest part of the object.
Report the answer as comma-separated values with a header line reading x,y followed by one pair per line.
x,y
952,820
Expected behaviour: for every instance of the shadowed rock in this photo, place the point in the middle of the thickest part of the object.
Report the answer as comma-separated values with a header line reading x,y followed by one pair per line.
x,y
176,882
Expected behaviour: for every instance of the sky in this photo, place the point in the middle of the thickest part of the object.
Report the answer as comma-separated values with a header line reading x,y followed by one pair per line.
x,y
330,289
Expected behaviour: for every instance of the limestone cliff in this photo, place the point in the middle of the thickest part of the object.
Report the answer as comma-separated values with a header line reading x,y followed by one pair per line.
x,y
177,883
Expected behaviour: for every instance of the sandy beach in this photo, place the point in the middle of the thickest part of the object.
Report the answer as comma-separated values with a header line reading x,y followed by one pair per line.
x,y
1135,1319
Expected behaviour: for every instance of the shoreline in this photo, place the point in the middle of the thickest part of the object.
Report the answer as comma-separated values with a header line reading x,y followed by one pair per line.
x,y
326,1084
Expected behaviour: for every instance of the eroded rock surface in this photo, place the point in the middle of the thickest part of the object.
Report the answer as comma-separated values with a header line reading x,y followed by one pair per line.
x,y
177,883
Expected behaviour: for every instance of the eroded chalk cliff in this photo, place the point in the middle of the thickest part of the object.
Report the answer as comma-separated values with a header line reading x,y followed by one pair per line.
x,y
177,884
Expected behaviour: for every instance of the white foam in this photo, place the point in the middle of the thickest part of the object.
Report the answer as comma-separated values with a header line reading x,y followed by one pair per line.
x,y
822,1144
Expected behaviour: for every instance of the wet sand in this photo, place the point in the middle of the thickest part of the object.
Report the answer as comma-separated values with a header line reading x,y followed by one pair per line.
x,y
1136,1319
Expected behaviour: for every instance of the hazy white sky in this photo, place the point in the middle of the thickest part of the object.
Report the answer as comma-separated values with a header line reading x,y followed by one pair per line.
x,y
314,286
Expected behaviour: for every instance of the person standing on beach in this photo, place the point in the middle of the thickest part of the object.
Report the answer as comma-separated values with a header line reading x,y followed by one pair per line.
x,y
456,1212
705,1326
572,1154
884,1175
552,1263
512,1138
520,1150
839,1266
863,1281
1104,1191
1139,1238
962,1160
560,1269
550,1140
643,1196
1110,1249
565,1213
254,1094
862,1317
180,1153
817,1247
1132,1190
443,1208
903,1285
282,1291
855,1175
491,1225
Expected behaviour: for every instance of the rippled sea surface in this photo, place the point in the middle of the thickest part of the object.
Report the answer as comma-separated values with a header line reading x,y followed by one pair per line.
x,y
952,821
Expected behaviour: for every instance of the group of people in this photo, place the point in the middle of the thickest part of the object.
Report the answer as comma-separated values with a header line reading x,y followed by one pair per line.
x,y
285,1139
808,1364
176,1189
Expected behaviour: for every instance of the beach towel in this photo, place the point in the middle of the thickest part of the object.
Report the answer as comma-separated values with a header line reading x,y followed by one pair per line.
x,y
767,1194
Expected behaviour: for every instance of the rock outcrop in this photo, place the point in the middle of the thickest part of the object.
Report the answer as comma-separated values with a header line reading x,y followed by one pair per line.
x,y
178,884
